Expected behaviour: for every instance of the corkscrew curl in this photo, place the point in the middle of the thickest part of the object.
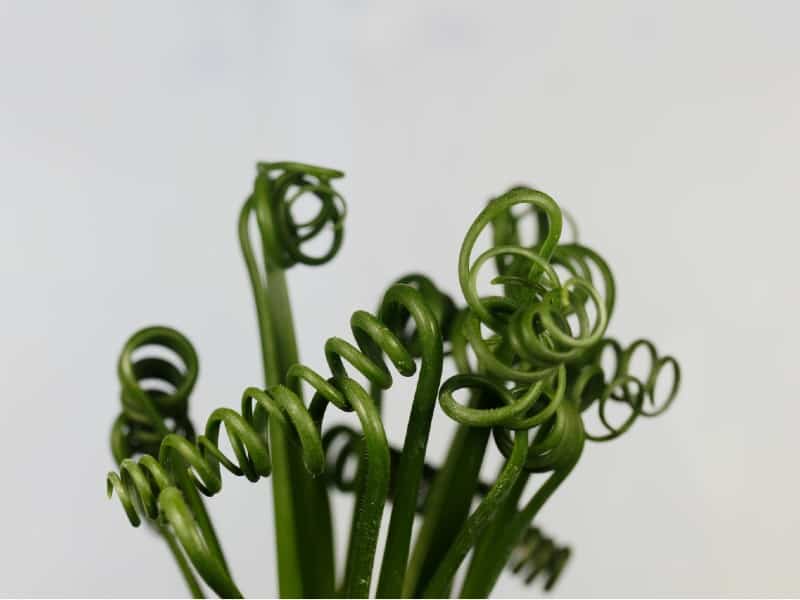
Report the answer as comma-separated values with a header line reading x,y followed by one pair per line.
x,y
581,261
537,554
638,392
468,274
142,485
542,329
143,481
150,488
155,390
247,434
147,489
279,187
530,322
532,340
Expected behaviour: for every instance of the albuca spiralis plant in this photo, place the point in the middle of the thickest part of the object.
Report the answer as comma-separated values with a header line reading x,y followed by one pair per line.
x,y
532,372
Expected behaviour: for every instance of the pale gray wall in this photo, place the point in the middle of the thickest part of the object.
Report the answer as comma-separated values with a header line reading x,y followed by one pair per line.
x,y
128,136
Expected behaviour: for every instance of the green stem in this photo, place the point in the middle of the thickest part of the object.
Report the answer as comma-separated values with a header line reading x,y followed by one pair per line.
x,y
486,547
172,504
401,298
374,473
183,564
187,486
303,532
369,510
313,536
489,562
476,525
195,502
483,575
448,504
289,573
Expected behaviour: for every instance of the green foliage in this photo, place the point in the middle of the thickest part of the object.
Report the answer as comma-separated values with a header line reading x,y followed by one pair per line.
x,y
530,372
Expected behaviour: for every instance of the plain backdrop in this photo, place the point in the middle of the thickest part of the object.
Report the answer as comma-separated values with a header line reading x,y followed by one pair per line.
x,y
129,134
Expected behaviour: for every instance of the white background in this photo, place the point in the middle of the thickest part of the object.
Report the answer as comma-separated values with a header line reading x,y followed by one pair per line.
x,y
128,137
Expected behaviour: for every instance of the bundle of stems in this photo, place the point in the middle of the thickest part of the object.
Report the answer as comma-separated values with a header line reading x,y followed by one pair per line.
x,y
533,370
